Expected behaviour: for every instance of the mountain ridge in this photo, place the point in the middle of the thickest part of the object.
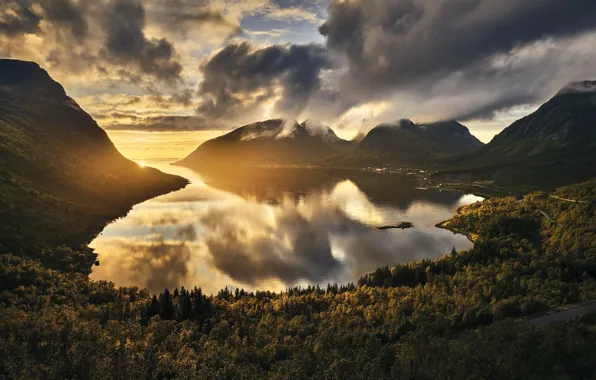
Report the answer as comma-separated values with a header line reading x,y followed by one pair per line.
x,y
269,142
556,143
319,145
58,167
405,142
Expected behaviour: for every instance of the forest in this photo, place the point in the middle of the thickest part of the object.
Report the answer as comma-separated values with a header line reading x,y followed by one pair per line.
x,y
461,316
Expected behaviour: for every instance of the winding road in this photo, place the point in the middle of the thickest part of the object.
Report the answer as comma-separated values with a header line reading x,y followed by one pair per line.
x,y
566,199
566,315
572,313
547,216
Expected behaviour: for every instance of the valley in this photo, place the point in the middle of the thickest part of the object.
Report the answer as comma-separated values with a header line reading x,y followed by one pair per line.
x,y
267,264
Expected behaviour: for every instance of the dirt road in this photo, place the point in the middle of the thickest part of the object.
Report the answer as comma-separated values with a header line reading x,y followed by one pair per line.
x,y
566,315
567,200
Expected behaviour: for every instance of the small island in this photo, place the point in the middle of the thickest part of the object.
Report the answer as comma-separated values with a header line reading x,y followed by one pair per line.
x,y
400,225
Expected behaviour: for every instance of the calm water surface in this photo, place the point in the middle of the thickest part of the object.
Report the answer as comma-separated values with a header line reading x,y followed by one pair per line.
x,y
273,229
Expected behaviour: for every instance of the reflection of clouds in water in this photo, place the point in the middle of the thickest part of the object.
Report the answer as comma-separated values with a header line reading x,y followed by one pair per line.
x,y
260,242
373,249
187,233
205,237
160,265
155,264
469,199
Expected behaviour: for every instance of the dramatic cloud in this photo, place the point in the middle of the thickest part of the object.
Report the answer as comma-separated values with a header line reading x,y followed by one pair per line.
x,y
402,41
128,122
18,18
241,78
66,13
186,17
98,37
373,60
411,45
124,22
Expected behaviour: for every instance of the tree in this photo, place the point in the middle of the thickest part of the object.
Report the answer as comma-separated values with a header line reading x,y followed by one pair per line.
x,y
167,311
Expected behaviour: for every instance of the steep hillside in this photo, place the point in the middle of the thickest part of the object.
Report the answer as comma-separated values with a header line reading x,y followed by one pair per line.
x,y
553,146
407,143
268,142
59,171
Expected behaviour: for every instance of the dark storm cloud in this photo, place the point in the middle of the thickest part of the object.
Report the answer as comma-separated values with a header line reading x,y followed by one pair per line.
x,y
17,17
203,16
189,18
412,44
240,77
124,22
64,12
184,97
114,28
400,41
183,22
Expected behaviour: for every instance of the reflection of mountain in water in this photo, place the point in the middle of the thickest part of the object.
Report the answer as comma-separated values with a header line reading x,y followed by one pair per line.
x,y
273,185
287,228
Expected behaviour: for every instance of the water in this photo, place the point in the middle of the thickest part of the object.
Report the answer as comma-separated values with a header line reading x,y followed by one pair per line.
x,y
272,229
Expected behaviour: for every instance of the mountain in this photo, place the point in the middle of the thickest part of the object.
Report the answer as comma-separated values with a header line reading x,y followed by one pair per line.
x,y
359,137
268,142
408,143
554,146
58,168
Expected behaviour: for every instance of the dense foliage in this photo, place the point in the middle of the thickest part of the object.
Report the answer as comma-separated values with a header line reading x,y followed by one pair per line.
x,y
449,318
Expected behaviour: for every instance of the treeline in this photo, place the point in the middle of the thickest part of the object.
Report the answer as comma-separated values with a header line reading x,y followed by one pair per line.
x,y
181,306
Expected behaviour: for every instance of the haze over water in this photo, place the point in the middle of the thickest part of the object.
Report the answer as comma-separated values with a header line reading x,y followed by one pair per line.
x,y
272,229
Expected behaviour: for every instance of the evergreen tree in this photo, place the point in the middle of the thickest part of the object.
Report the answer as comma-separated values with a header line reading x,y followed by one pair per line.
x,y
167,311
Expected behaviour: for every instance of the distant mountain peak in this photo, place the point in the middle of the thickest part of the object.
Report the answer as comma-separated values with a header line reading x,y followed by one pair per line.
x,y
273,141
555,143
324,131
407,142
278,129
581,87
407,124
359,137
29,79
402,123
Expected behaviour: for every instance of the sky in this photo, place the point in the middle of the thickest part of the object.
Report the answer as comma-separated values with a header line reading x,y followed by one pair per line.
x,y
207,65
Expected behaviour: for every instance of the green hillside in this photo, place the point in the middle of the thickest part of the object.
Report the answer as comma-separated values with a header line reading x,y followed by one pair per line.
x,y
554,146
